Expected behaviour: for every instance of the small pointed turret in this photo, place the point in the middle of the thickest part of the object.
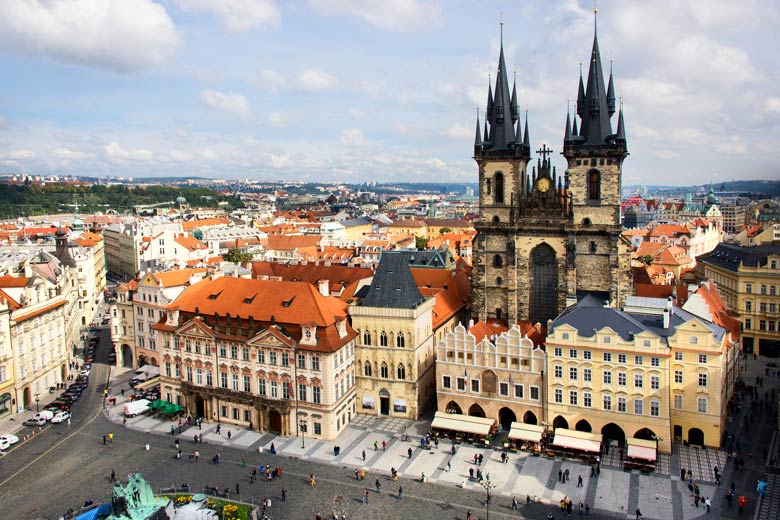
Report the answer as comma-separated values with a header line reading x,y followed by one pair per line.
x,y
567,131
581,96
519,135
574,131
485,135
596,127
477,135
526,140
489,109
515,115
611,92
621,129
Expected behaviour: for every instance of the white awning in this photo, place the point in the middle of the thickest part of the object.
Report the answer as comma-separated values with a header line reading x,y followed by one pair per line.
x,y
577,440
641,449
526,432
462,423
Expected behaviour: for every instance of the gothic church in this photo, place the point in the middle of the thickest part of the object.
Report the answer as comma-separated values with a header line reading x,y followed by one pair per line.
x,y
545,239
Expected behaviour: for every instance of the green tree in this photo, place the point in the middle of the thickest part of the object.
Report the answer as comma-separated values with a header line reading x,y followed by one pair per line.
x,y
647,259
236,256
421,243
445,230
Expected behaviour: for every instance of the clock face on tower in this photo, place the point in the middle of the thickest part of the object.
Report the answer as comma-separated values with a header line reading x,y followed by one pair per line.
x,y
543,184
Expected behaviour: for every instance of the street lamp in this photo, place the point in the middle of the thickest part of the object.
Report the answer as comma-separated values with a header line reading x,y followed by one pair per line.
x,y
302,426
485,483
37,399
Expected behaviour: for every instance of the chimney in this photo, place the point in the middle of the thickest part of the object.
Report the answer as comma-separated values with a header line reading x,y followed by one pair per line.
x,y
667,318
324,287
471,323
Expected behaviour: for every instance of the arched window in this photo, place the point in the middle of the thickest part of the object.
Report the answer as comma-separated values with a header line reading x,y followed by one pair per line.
x,y
488,185
499,197
401,371
383,339
499,280
367,369
594,182
400,341
498,261
366,338
496,219
592,246
772,290
763,289
383,370
586,222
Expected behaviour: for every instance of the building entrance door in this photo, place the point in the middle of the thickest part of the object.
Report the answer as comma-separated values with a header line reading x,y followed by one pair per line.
x,y
200,407
384,405
274,421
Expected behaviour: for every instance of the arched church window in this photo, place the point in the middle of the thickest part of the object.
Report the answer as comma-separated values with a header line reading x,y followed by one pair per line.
x,y
488,185
400,341
401,371
366,338
594,182
498,261
367,369
383,339
499,197
592,246
383,370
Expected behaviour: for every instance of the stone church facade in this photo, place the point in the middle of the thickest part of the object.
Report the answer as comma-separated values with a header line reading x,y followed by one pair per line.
x,y
546,239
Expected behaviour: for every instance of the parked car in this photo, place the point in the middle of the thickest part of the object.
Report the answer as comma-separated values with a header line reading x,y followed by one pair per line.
x,y
67,398
46,415
10,438
56,406
35,421
4,444
60,417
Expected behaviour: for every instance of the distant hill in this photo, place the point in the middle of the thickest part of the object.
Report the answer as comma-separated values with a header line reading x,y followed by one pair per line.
x,y
766,188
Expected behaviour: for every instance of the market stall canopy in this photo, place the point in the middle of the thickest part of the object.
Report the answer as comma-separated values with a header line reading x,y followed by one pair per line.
x,y
157,403
462,423
641,449
526,432
577,440
149,370
149,383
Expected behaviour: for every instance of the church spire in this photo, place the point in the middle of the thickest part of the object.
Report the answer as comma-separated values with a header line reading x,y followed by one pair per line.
x,y
567,131
581,96
611,92
526,141
621,128
596,128
515,115
477,135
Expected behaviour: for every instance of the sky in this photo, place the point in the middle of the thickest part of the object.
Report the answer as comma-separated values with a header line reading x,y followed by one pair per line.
x,y
375,90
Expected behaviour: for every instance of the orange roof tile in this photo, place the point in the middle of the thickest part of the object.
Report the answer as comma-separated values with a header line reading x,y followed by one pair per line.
x,y
206,222
40,311
14,281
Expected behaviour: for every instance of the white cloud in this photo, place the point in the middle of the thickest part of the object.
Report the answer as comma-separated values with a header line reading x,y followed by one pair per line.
x,y
3,121
402,15
126,35
232,102
772,104
115,153
236,15
67,153
277,120
179,155
315,80
352,137
436,163
208,154
18,154
733,146
458,131
356,113
272,81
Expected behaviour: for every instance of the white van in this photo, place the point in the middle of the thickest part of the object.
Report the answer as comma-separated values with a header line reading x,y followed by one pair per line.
x,y
45,414
134,408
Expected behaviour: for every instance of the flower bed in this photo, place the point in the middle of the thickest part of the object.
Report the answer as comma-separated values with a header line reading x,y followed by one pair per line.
x,y
225,509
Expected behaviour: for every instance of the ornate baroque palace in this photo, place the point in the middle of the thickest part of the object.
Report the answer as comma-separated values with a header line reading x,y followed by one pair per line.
x,y
547,239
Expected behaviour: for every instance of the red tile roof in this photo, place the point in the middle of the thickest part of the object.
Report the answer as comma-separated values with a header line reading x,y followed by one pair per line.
x,y
206,222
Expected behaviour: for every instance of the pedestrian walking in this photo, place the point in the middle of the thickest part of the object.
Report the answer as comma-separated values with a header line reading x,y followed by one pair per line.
x,y
229,435
364,455
638,514
409,452
400,493
238,489
365,496
708,504
104,440
284,495
449,466
384,445
514,503
197,455
587,510
560,475
377,485
113,476
376,445
219,429
579,480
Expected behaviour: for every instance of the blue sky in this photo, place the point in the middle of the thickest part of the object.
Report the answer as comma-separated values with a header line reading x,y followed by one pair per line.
x,y
384,90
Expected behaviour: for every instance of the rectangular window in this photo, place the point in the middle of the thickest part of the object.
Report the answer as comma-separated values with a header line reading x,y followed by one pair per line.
x,y
261,386
285,390
446,382
260,356
678,402
223,411
558,352
461,382
199,376
702,379
749,288
272,358
587,399
694,340
558,371
655,408
317,428
639,407
622,359
247,384
655,382
475,385
222,351
621,404
573,373
639,381
762,307
607,356
274,390
315,395
315,362
678,356
189,373
558,395
177,369
519,391
301,392
607,402
235,414
638,360
573,397
748,306
302,361
223,379
534,392
647,343
607,376
587,354
234,381
702,405
244,354
168,368
247,416
573,353
606,339
654,361
285,359
587,375
209,378
761,324
503,389
748,323
702,358
622,379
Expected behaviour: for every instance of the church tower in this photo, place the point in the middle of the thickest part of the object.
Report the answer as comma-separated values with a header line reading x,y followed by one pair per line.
x,y
543,239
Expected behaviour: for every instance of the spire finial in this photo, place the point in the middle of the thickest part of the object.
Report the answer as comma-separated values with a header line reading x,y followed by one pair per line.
x,y
501,24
